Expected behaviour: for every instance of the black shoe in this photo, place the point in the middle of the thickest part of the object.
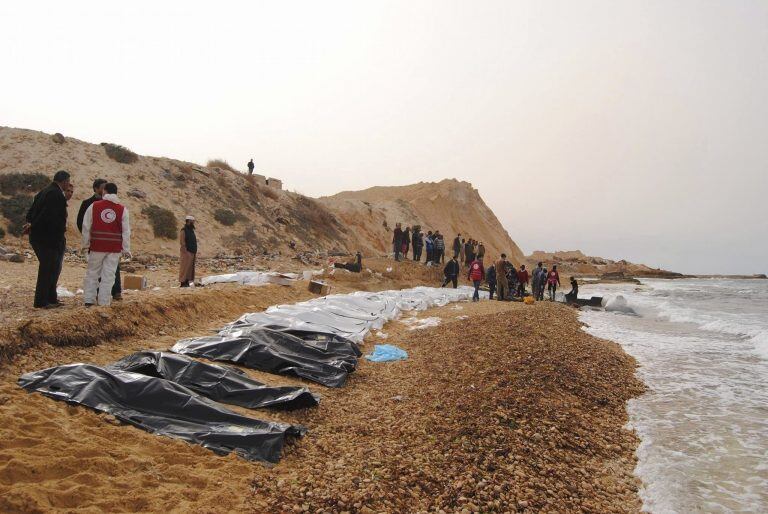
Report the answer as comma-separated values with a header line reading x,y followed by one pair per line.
x,y
89,304
52,306
184,284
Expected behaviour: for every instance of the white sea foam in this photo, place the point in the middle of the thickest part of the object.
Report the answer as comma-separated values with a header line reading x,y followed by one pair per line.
x,y
702,346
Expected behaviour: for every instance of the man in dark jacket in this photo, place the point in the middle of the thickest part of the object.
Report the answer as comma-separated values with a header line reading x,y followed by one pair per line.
x,y
417,240
457,245
47,218
397,241
98,192
429,242
406,241
451,272
250,167
490,277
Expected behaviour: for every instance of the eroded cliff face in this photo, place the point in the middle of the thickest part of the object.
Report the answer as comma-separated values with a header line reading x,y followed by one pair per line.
x,y
450,206
264,218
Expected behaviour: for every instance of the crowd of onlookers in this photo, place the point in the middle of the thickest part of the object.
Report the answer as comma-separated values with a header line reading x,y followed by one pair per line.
x,y
503,279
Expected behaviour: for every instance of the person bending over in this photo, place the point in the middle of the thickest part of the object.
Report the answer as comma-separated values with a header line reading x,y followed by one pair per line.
x,y
451,272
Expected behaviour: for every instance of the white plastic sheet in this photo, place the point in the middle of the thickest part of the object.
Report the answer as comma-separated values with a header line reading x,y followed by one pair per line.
x,y
251,278
352,315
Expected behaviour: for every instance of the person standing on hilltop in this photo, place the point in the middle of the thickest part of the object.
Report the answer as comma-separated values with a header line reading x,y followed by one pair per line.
x,y
250,167
187,251
457,246
476,275
522,281
501,277
430,244
463,251
553,280
98,193
451,272
397,241
106,235
481,251
47,226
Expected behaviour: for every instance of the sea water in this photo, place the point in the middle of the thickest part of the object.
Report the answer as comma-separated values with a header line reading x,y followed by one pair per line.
x,y
702,350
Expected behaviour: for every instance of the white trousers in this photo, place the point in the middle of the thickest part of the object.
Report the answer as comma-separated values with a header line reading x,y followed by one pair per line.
x,y
101,265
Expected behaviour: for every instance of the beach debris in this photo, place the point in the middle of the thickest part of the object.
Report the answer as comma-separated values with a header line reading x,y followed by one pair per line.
x,y
63,292
420,324
386,353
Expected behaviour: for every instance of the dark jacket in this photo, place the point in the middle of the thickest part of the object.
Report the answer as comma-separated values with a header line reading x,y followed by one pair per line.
x,y
397,237
417,239
451,269
190,239
490,275
48,217
84,207
456,244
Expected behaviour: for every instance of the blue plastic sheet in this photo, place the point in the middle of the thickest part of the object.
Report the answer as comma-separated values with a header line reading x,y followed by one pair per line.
x,y
387,353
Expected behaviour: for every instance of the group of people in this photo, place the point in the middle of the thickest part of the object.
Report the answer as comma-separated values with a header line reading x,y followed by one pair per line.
x,y
104,222
412,240
505,281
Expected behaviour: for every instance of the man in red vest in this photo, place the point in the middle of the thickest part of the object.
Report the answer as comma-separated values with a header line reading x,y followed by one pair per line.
x,y
106,235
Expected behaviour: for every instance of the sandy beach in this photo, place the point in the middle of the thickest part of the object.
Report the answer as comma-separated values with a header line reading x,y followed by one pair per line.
x,y
503,407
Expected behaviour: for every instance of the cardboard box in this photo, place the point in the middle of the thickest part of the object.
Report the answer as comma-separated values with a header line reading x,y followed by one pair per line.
x,y
137,282
319,287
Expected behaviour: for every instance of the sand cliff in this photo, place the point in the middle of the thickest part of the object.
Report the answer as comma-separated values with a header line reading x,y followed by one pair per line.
x,y
266,219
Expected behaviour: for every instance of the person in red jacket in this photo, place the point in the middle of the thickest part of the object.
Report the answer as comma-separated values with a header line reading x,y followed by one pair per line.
x,y
522,281
553,280
106,235
476,275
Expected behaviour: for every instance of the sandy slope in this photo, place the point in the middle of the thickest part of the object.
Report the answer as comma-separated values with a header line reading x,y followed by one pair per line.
x,y
513,408
270,219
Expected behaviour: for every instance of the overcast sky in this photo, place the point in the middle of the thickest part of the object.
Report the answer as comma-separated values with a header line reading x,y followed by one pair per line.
x,y
634,130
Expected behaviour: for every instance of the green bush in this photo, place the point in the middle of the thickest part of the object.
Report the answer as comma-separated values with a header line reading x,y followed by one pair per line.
x,y
120,153
11,183
14,209
163,221
225,217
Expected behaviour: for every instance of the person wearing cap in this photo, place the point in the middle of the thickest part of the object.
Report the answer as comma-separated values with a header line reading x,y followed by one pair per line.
x,y
188,251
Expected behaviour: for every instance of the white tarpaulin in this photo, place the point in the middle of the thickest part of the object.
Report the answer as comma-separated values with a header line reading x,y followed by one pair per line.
x,y
350,315
252,278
